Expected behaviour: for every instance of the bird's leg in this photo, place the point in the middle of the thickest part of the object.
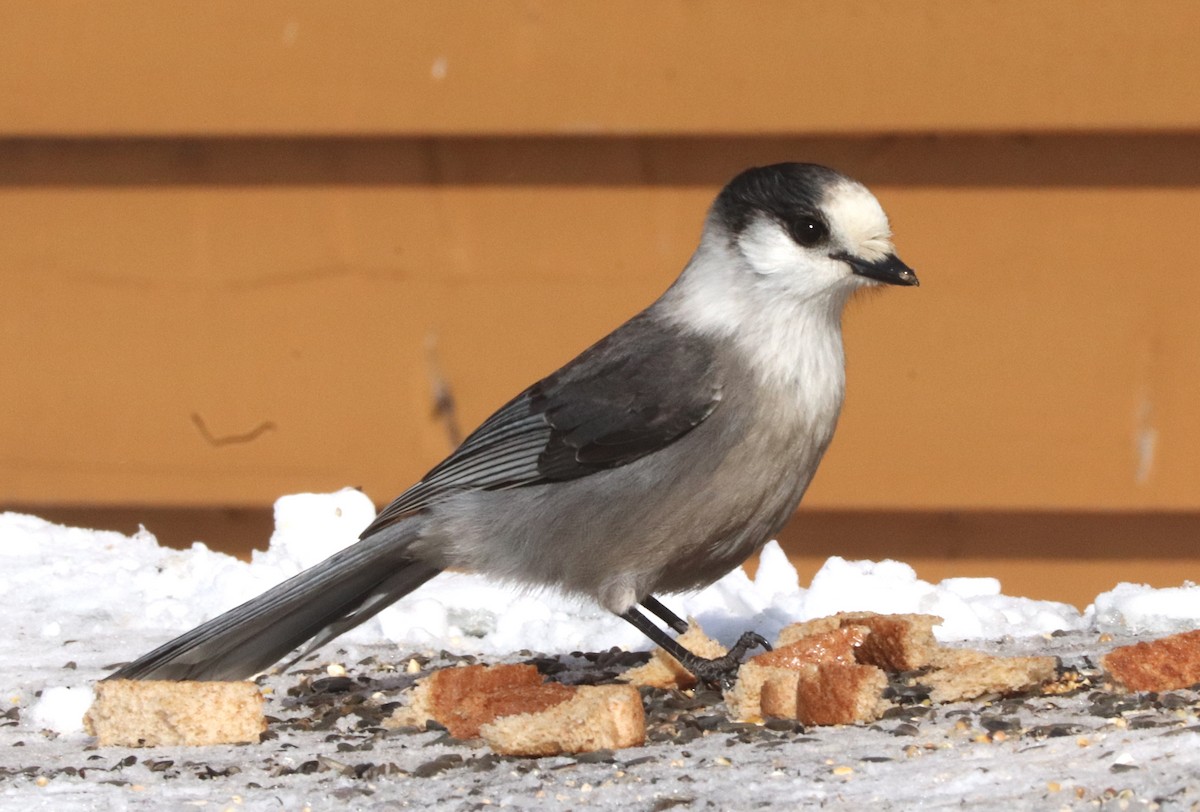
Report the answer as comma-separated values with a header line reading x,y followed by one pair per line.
x,y
719,671
655,606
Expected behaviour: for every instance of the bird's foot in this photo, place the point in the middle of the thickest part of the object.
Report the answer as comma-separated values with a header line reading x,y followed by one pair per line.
x,y
721,672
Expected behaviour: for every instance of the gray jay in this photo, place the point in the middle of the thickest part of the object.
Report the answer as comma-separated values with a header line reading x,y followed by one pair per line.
x,y
655,462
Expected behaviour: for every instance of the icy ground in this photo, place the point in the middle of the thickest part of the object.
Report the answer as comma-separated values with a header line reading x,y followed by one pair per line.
x,y
79,601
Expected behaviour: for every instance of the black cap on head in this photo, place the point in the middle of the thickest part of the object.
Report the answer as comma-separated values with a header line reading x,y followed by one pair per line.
x,y
786,192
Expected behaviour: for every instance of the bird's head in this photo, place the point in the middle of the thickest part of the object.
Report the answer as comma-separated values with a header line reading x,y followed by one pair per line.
x,y
805,230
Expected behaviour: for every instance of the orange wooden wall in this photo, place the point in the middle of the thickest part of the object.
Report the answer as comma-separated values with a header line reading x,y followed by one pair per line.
x,y
239,245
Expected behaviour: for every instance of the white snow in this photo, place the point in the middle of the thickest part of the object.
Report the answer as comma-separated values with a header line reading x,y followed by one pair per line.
x,y
61,708
79,601
126,594
1143,609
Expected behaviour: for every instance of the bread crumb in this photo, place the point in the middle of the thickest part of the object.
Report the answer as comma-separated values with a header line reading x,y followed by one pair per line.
x,y
464,698
966,674
897,642
841,694
1165,664
597,717
154,713
745,699
777,696
664,671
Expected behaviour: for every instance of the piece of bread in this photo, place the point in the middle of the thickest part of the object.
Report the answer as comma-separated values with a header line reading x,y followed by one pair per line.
x,y
745,699
834,645
664,671
832,694
805,628
465,697
597,717
896,642
966,674
153,713
435,696
777,693
893,643
1166,664
838,645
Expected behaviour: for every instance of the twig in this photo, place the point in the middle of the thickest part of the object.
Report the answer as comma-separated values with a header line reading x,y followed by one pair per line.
x,y
230,439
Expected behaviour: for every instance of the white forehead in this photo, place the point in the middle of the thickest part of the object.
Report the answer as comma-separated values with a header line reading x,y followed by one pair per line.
x,y
857,220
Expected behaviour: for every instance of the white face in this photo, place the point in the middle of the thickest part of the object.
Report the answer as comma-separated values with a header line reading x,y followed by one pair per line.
x,y
777,289
857,226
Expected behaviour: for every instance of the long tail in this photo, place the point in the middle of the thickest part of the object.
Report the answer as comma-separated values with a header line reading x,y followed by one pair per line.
x,y
320,603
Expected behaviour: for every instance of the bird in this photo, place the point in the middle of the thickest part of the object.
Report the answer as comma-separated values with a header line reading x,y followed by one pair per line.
x,y
654,462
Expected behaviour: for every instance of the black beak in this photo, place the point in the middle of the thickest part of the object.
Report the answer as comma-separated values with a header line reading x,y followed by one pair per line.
x,y
889,270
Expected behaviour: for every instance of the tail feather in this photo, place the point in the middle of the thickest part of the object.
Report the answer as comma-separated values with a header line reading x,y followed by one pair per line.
x,y
322,602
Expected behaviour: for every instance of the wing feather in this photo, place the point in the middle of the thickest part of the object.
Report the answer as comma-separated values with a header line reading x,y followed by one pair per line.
x,y
631,394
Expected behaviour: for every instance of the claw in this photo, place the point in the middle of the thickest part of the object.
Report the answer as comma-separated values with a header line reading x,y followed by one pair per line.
x,y
750,640
721,672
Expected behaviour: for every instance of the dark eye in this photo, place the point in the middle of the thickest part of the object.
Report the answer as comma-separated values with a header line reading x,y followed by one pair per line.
x,y
808,231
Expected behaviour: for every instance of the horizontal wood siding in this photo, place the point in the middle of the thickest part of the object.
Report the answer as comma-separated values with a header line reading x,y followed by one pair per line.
x,y
243,247
538,67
